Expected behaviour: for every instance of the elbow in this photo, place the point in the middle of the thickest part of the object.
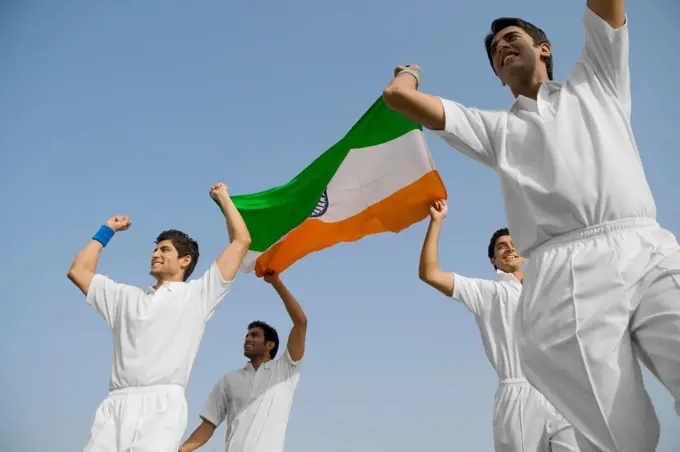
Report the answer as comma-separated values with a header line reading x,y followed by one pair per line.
x,y
72,275
243,240
425,275
391,96
301,321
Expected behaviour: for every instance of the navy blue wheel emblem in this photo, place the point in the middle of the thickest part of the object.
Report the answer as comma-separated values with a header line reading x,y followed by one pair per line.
x,y
321,207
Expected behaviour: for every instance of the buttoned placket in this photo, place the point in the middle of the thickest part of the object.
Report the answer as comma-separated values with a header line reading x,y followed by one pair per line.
x,y
255,377
155,294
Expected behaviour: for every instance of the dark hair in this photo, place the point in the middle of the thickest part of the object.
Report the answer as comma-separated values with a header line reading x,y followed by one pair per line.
x,y
270,335
185,245
492,244
532,30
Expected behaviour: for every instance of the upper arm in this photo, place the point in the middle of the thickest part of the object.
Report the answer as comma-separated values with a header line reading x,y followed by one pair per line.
x,y
215,408
106,296
476,294
211,288
291,365
230,259
441,280
296,342
606,49
82,278
471,131
611,11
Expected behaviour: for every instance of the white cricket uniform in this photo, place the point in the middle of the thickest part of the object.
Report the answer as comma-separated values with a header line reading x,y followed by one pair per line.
x,y
523,421
603,278
256,405
156,335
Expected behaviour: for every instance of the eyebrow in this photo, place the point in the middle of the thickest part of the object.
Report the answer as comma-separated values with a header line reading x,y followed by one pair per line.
x,y
494,44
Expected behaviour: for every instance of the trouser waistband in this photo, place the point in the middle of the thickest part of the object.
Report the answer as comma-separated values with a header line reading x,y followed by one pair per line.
x,y
514,381
151,389
608,227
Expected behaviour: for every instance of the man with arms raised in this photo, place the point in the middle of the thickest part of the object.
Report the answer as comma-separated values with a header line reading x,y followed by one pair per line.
x,y
256,399
157,331
603,278
524,421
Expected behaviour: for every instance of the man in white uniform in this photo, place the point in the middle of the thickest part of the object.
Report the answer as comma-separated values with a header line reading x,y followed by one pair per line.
x,y
256,399
523,421
603,278
156,331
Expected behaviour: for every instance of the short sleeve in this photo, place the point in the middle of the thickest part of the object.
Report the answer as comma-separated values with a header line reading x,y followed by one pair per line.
x,y
215,409
606,52
105,296
476,294
472,132
287,365
210,288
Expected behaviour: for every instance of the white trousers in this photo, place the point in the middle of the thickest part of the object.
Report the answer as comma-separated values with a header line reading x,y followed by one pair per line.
x,y
594,300
524,421
144,419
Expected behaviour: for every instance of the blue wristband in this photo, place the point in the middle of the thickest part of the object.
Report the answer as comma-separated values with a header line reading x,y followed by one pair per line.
x,y
103,235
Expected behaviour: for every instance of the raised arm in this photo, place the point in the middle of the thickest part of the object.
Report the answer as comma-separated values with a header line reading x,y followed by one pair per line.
x,y
611,11
298,334
230,259
84,266
468,130
429,270
606,49
402,95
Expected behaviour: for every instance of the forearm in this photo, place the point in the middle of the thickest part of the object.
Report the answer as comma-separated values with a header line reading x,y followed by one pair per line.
x,y
294,309
198,438
429,255
236,227
402,96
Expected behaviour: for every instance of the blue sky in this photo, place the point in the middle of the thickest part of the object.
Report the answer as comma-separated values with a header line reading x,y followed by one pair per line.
x,y
138,107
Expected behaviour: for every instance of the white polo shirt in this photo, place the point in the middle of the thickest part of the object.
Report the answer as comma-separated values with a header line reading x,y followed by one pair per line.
x,y
494,304
568,160
256,405
156,333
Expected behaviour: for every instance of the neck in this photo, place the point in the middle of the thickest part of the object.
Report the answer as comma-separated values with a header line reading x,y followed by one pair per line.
x,y
529,87
519,274
257,362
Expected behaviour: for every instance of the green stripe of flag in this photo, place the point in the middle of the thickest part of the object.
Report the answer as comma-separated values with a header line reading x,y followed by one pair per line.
x,y
273,213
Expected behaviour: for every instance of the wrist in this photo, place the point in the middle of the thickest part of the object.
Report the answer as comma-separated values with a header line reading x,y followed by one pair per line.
x,y
415,72
223,199
104,235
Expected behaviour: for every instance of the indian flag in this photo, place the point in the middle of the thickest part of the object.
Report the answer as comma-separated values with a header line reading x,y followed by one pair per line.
x,y
378,178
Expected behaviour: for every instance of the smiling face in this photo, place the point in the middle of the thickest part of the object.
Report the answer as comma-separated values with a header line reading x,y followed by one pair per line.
x,y
255,345
166,264
505,256
515,57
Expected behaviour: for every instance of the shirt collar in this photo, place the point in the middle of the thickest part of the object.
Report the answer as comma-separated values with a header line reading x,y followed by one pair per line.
x,y
524,103
508,277
249,365
170,286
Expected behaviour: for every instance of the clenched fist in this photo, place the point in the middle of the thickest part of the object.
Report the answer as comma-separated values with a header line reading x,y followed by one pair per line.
x,y
217,190
439,209
119,223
